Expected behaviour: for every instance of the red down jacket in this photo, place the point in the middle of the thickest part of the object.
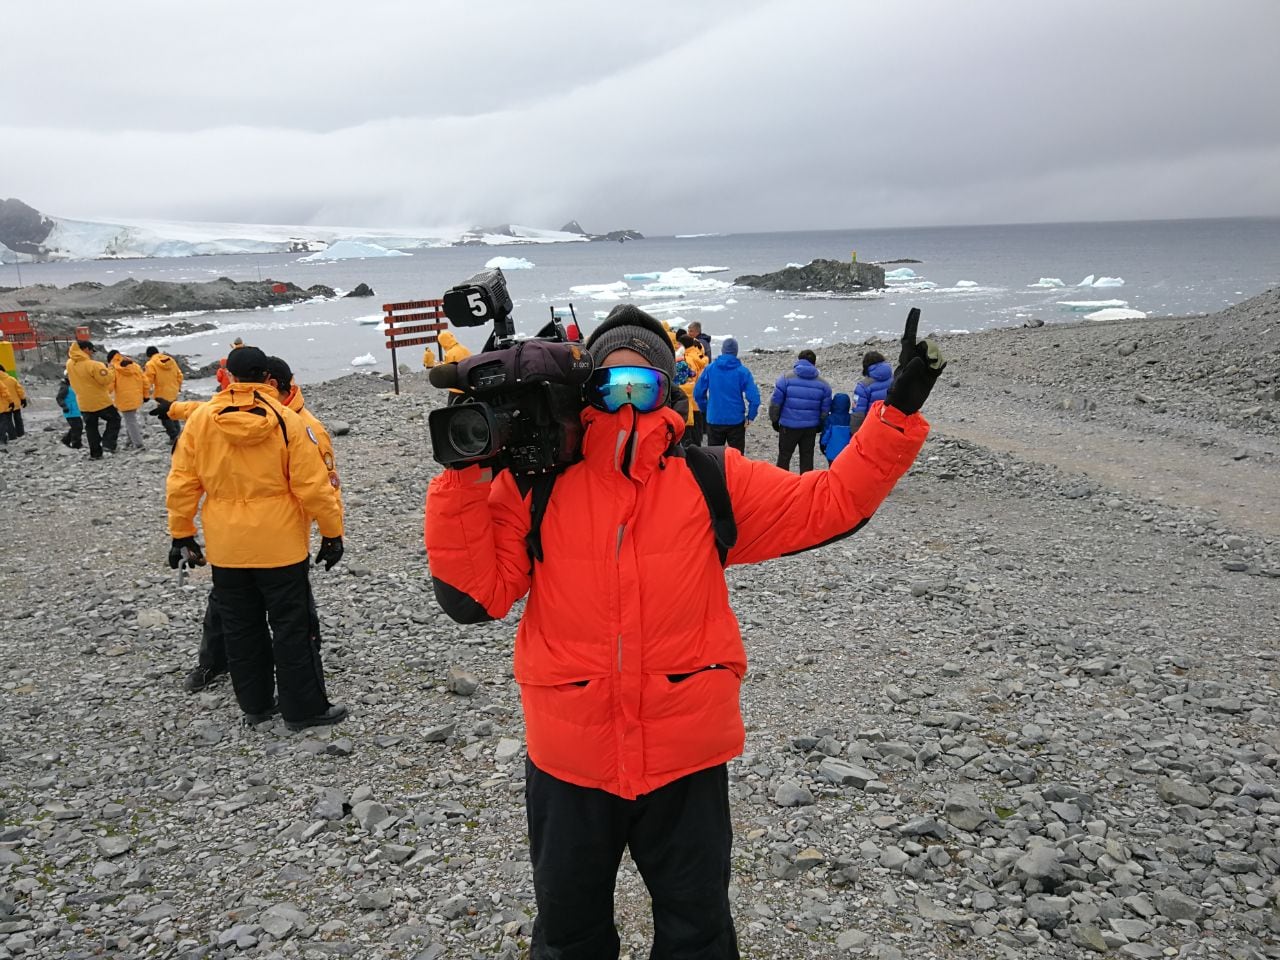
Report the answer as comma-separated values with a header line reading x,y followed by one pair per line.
x,y
613,667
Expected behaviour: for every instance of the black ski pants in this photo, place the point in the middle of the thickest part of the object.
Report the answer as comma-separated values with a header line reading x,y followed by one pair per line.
x,y
727,435
98,438
75,430
213,646
789,438
285,658
679,837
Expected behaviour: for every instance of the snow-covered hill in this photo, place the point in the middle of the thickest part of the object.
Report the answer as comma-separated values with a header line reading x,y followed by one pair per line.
x,y
30,238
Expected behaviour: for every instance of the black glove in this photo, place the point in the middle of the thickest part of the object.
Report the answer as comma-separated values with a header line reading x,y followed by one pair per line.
x,y
24,401
330,552
161,409
185,548
919,367
777,425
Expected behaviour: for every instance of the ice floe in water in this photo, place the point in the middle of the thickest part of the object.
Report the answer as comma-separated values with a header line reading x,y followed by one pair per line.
x,y
372,320
966,284
1109,282
364,360
902,273
714,308
678,278
1047,282
705,269
603,291
282,308
1087,306
508,263
642,277
770,329
352,250
1086,282
1116,313
797,316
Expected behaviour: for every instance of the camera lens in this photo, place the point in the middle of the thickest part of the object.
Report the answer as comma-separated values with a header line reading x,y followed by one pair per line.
x,y
468,432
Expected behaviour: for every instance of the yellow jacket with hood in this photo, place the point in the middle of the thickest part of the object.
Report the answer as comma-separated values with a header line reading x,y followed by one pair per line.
x,y
11,392
164,376
253,462
92,381
131,383
454,352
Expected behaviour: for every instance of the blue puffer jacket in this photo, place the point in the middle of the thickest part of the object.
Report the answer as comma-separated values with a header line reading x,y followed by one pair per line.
x,y
67,401
721,388
837,433
872,388
801,398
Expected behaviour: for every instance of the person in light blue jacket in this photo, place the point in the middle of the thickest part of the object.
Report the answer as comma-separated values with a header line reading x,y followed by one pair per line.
x,y
837,432
723,390
71,412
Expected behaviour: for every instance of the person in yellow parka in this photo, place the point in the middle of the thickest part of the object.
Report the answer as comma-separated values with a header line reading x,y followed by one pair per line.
x,y
164,381
454,352
12,399
131,393
93,381
428,357
258,471
696,357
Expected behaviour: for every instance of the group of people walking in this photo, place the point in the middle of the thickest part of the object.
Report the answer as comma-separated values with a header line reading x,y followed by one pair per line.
x,y
96,397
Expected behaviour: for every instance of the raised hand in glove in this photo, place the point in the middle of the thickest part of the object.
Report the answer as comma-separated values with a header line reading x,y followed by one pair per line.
x,y
161,409
919,366
330,552
185,548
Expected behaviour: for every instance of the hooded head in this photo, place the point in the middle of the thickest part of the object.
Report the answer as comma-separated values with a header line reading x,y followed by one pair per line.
x,y
248,365
730,346
447,340
152,351
841,404
630,328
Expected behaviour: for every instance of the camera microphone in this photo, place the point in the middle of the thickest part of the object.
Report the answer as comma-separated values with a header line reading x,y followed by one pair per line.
x,y
444,376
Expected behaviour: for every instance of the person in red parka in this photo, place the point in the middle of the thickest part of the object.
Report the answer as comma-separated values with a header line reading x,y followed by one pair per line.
x,y
630,702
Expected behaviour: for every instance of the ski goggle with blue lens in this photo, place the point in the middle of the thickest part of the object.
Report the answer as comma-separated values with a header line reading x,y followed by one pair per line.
x,y
612,388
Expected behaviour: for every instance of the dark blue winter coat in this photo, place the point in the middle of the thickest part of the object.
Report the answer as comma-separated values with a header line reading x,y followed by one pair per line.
x,y
837,433
801,398
873,387
721,388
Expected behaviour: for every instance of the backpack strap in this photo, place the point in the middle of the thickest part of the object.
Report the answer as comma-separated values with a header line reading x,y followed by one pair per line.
x,y
539,486
707,466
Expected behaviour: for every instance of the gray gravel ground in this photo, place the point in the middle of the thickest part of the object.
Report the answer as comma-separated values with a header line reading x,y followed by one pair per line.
x,y
1029,711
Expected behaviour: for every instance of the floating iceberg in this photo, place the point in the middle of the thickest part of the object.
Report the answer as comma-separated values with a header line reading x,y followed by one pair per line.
x,y
902,273
1047,282
705,269
682,280
1116,313
508,263
352,250
365,360
1109,282
714,308
603,291
642,277
966,284
1087,306
373,320
282,308
1086,282
770,329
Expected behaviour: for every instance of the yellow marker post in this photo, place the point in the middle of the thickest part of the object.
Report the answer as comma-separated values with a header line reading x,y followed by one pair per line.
x,y
855,256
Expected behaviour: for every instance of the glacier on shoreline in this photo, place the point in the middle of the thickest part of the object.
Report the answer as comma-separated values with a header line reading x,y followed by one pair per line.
x,y
352,250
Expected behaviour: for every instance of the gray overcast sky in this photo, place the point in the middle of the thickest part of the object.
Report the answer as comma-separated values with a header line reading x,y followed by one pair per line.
x,y
669,116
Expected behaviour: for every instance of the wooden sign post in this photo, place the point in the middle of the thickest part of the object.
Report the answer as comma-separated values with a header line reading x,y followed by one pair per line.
x,y
411,324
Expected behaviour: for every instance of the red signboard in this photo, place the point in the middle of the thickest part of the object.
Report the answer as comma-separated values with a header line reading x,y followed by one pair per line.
x,y
17,330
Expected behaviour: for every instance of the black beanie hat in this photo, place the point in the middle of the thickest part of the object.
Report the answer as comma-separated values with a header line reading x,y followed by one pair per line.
x,y
629,328
247,363
279,371
152,351
112,353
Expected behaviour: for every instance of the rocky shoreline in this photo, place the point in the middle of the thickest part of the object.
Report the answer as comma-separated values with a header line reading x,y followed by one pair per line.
x,y
1029,710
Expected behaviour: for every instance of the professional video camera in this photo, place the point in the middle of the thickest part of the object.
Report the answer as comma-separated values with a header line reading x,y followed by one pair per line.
x,y
519,400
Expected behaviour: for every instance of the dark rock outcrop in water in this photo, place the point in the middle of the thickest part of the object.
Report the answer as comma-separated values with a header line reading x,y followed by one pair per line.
x,y
59,310
837,276
361,290
23,229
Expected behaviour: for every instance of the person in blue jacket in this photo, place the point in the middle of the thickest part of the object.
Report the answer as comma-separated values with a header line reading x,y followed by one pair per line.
x,y
723,389
800,403
836,433
874,385
71,412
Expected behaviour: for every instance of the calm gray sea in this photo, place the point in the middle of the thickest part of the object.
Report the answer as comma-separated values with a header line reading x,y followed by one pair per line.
x,y
970,278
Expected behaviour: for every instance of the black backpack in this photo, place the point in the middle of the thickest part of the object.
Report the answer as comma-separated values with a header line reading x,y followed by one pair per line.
x,y
705,463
